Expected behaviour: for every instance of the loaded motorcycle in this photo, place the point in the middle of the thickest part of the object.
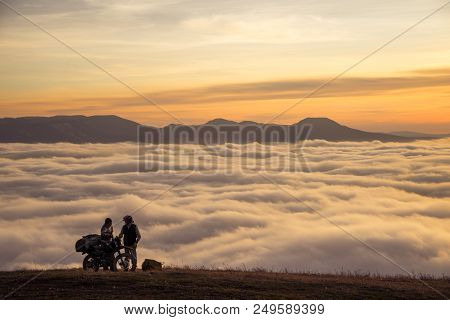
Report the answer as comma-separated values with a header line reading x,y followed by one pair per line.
x,y
103,254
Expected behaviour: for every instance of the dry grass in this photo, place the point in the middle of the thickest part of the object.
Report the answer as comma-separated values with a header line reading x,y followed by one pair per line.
x,y
226,283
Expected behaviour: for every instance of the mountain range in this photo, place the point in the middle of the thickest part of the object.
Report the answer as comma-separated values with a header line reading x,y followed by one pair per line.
x,y
110,129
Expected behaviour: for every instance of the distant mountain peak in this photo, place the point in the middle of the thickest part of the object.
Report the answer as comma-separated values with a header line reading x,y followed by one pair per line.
x,y
219,121
319,121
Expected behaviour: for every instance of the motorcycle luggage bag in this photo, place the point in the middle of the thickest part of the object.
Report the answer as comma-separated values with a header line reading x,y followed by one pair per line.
x,y
87,242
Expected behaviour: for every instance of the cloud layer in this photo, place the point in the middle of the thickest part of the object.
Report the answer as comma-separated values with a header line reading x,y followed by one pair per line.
x,y
393,196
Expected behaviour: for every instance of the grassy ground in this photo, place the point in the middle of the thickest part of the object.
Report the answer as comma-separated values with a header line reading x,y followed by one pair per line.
x,y
175,283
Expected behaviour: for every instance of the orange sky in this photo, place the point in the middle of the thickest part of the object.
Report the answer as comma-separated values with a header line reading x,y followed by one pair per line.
x,y
239,60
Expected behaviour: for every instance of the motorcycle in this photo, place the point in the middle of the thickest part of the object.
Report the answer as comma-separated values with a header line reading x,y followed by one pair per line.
x,y
102,254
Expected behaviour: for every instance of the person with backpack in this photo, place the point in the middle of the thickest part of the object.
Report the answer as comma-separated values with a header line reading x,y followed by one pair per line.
x,y
131,236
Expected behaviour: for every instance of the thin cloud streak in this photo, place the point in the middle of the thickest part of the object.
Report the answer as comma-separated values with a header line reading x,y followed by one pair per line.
x,y
274,90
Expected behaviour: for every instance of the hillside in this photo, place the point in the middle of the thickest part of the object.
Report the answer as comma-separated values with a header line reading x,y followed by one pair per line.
x,y
326,129
75,129
110,129
203,284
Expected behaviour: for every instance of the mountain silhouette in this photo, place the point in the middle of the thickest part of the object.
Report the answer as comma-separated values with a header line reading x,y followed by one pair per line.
x,y
75,129
327,129
220,121
110,129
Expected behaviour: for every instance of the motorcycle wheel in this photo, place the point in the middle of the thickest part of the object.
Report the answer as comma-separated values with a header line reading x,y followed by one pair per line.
x,y
89,263
122,262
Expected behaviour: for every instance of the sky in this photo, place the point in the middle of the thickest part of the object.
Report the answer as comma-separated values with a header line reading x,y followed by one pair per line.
x,y
239,60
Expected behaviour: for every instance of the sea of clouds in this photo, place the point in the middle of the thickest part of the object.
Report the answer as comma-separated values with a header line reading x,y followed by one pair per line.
x,y
347,197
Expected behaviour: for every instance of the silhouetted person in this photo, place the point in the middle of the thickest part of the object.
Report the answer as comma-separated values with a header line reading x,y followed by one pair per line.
x,y
107,230
106,236
131,236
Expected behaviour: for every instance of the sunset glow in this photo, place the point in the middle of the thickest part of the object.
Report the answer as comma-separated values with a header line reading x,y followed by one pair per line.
x,y
231,59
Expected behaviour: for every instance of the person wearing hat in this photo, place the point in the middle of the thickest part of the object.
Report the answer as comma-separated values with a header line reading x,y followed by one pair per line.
x,y
131,236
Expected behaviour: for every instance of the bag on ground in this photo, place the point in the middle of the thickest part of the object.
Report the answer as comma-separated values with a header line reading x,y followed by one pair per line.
x,y
149,265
